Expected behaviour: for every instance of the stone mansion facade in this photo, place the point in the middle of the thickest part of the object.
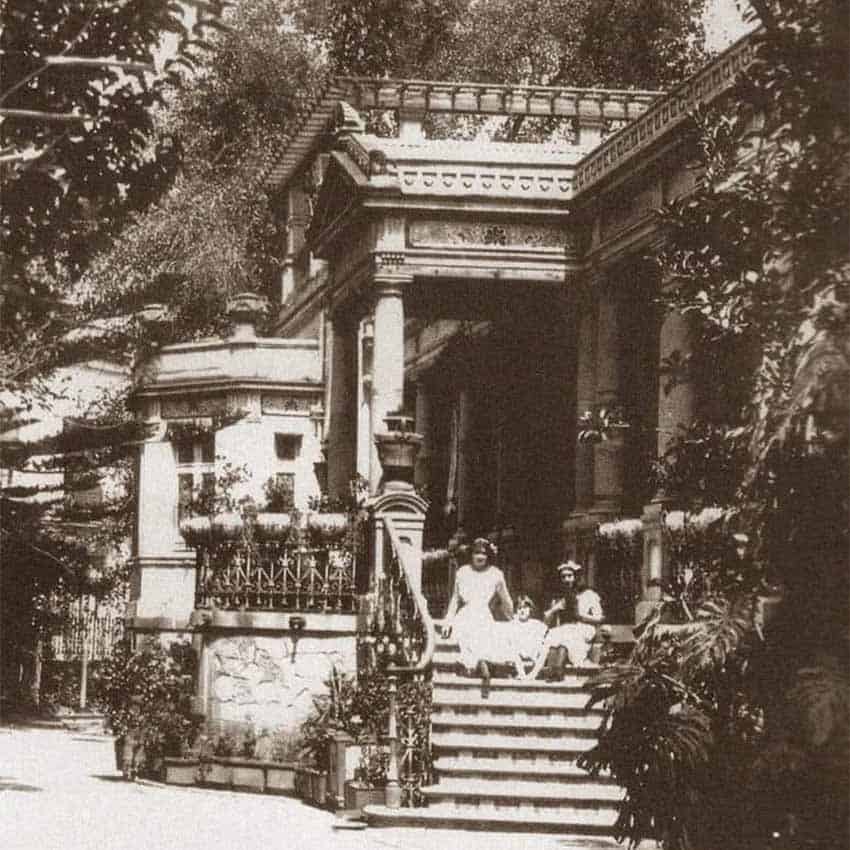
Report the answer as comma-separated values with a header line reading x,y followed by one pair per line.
x,y
495,292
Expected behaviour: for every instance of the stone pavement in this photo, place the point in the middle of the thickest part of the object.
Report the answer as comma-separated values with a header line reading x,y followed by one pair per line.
x,y
60,791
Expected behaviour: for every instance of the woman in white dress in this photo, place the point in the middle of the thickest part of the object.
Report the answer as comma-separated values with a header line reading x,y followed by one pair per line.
x,y
469,617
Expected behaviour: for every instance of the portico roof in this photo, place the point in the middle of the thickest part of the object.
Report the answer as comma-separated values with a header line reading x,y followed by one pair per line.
x,y
464,98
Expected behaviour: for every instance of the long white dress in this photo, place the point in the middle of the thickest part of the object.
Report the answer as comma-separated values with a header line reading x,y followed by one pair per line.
x,y
473,625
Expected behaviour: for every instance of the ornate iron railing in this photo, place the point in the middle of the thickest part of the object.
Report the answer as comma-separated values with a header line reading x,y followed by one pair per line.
x,y
275,576
400,642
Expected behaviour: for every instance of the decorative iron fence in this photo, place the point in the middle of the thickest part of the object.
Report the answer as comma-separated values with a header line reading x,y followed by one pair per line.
x,y
88,624
275,576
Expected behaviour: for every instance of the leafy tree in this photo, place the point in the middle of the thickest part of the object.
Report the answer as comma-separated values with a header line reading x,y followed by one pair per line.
x,y
80,87
736,728
634,44
218,230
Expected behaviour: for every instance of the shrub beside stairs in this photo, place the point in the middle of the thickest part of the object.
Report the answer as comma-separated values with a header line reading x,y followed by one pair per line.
x,y
507,761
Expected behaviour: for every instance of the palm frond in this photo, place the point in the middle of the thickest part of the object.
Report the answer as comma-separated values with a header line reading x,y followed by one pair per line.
x,y
719,630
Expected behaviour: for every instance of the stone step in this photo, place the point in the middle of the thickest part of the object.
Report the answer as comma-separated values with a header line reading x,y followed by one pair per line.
x,y
512,818
483,719
471,741
510,766
588,793
527,699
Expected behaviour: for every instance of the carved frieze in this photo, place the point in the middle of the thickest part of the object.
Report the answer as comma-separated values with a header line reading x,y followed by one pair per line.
x,y
283,403
665,113
482,234
187,408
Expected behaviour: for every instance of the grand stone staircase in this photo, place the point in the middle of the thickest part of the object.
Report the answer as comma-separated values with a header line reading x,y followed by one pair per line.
x,y
507,761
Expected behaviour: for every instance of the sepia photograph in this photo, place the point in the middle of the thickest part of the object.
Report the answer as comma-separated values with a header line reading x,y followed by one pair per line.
x,y
425,423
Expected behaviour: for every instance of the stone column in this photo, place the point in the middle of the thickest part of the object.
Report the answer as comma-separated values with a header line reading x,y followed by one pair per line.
x,y
607,454
676,405
464,461
675,408
341,424
364,398
423,460
388,368
579,522
585,401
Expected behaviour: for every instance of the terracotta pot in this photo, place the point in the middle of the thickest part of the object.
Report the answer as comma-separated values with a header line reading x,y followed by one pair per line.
x,y
319,787
128,755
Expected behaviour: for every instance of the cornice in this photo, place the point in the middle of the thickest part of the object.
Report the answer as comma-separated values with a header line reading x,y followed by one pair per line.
x,y
665,115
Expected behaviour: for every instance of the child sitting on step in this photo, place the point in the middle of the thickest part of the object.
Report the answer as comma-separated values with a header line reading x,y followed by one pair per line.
x,y
527,634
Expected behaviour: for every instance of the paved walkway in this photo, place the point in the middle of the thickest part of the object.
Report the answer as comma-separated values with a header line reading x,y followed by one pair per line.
x,y
60,791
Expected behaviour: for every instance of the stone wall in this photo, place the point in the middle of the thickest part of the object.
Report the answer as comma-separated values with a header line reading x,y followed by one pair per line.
x,y
259,680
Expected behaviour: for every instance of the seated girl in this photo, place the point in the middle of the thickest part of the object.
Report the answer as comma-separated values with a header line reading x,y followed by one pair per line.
x,y
527,634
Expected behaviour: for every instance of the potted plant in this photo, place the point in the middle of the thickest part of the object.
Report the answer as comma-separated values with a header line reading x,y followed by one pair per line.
x,y
146,697
272,527
327,529
217,769
227,525
248,774
196,530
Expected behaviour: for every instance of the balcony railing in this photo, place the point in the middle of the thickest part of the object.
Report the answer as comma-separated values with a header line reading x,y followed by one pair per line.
x,y
242,575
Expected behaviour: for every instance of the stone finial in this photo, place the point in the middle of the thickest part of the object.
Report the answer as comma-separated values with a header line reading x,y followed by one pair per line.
x,y
245,310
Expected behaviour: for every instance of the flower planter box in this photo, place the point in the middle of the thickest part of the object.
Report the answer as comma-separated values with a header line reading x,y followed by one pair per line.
x,y
280,778
358,796
218,773
178,771
248,775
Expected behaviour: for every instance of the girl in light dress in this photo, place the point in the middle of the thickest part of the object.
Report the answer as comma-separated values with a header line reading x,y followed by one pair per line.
x,y
469,617
482,640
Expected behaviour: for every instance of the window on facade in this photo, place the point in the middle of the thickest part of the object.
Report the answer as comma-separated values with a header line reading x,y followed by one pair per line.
x,y
284,491
195,473
287,446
